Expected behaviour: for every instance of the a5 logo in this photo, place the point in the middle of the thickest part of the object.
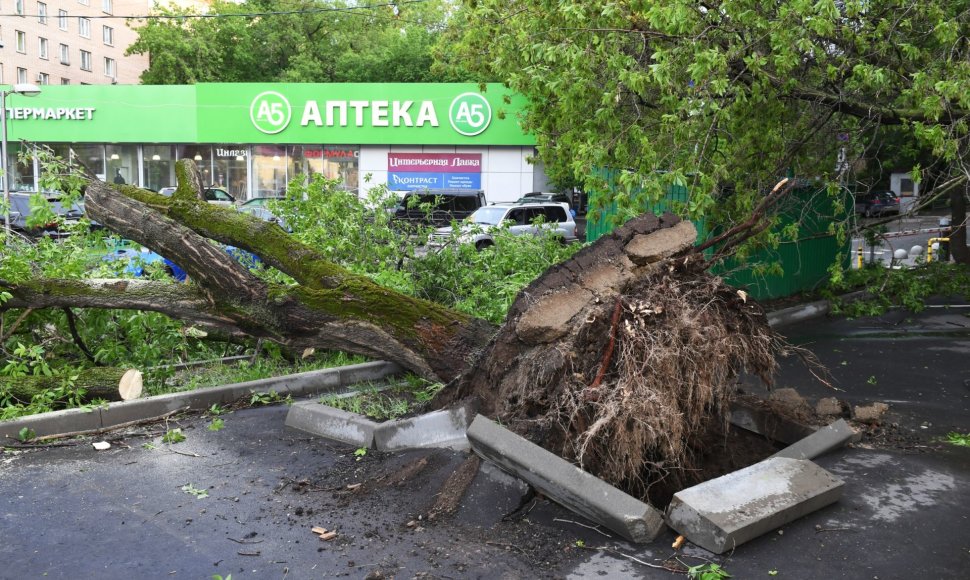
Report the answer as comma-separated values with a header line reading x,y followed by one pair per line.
x,y
270,112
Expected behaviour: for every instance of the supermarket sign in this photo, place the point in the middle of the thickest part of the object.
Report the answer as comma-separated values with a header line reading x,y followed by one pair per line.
x,y
254,113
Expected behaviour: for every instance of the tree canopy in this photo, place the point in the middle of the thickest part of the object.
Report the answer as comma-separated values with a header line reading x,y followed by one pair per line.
x,y
725,96
293,41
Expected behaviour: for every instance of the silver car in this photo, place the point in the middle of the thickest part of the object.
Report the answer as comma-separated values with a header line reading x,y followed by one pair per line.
x,y
521,218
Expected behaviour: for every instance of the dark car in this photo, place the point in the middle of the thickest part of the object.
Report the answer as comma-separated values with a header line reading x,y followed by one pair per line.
x,y
876,203
438,207
20,211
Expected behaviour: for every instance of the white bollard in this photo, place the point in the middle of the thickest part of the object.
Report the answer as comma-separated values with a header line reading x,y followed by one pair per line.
x,y
900,254
916,251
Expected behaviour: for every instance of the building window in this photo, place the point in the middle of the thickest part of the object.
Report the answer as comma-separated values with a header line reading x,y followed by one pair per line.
x,y
21,75
108,34
42,48
84,27
21,41
65,81
109,67
65,54
62,19
42,13
19,7
43,78
106,6
84,2
85,60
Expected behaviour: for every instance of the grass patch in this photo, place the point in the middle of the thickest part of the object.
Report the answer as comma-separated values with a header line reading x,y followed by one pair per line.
x,y
381,402
162,381
962,440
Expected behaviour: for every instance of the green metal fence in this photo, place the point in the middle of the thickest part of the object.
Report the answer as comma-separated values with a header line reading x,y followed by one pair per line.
x,y
804,262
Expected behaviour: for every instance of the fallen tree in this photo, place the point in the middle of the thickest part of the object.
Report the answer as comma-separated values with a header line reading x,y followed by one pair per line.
x,y
616,358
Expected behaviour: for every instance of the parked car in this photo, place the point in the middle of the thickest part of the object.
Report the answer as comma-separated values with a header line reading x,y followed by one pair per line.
x,y
876,203
213,195
20,211
543,218
264,214
438,207
538,196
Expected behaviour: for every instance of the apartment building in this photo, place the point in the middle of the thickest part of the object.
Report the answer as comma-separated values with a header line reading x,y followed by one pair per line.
x,y
70,42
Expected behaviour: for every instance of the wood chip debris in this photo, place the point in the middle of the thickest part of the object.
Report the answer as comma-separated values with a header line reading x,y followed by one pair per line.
x,y
678,543
102,445
353,486
324,535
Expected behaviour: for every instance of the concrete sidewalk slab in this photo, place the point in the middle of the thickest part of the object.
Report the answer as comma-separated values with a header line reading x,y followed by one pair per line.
x,y
565,483
444,428
332,423
723,513
820,442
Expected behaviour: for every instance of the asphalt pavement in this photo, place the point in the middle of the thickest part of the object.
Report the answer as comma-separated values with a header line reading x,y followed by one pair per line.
x,y
131,511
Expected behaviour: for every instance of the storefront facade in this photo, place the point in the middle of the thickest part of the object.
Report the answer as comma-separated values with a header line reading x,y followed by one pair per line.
x,y
253,139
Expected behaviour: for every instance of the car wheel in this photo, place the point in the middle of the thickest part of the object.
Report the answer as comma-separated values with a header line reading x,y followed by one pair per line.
x,y
483,244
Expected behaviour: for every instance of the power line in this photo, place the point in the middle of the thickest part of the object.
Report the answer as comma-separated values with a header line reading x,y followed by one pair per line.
x,y
347,9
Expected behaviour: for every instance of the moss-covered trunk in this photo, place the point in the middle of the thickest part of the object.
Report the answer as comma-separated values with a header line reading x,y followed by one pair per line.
x,y
97,383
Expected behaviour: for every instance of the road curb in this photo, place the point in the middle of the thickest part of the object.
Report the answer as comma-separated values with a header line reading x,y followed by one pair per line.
x,y
114,414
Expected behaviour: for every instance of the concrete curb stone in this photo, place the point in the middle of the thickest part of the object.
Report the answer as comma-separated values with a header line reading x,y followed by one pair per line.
x,y
74,420
565,483
723,513
822,441
332,423
444,428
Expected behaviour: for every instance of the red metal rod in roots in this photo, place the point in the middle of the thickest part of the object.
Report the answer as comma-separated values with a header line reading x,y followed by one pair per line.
x,y
608,355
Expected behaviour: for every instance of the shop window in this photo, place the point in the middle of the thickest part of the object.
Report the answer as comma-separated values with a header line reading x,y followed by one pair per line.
x,y
122,164
158,162
21,175
230,169
270,174
92,156
202,156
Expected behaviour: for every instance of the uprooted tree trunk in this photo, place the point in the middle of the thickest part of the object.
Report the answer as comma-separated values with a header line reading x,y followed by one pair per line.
x,y
616,359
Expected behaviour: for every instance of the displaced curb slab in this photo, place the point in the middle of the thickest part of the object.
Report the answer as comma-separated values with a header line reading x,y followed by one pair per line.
x,y
332,423
723,513
444,428
822,441
98,418
565,483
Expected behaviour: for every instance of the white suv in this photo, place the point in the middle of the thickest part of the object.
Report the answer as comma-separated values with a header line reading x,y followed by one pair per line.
x,y
522,217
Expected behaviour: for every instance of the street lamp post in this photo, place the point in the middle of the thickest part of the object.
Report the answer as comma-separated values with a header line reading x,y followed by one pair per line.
x,y
27,90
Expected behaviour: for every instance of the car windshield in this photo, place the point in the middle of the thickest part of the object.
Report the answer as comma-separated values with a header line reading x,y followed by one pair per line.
x,y
491,216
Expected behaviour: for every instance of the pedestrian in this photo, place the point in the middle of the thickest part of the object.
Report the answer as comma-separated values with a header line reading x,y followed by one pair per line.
x,y
118,178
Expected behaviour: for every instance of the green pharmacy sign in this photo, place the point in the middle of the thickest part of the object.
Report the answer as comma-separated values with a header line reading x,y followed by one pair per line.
x,y
350,113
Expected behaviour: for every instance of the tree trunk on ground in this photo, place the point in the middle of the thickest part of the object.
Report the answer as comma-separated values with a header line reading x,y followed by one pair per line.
x,y
98,383
617,358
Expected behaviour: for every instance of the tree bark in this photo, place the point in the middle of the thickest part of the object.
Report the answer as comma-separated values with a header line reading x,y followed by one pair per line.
x,y
98,383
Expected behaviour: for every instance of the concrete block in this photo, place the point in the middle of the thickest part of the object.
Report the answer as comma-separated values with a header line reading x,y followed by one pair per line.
x,y
765,422
331,423
820,442
53,423
309,383
723,513
565,483
798,313
444,428
139,409
370,371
